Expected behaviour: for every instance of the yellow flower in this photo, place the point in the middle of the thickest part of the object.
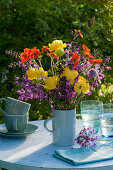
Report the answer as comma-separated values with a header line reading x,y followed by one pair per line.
x,y
82,86
57,44
40,72
86,88
31,74
69,74
81,78
51,82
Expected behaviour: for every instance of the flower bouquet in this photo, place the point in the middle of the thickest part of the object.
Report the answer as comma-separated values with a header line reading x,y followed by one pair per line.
x,y
74,72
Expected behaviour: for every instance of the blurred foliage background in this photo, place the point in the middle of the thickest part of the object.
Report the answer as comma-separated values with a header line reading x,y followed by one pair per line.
x,y
25,24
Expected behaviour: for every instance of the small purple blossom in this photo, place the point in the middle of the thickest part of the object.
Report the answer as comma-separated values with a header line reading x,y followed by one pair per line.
x,y
89,93
95,84
69,46
30,90
67,53
87,137
92,73
108,68
101,76
30,62
35,66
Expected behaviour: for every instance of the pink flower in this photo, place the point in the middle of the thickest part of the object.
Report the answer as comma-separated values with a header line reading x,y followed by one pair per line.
x,y
108,68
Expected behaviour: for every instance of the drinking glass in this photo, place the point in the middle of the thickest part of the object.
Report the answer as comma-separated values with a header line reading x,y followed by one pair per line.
x,y
106,120
90,111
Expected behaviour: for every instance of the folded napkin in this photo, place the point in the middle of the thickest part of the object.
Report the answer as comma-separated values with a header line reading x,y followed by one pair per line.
x,y
80,156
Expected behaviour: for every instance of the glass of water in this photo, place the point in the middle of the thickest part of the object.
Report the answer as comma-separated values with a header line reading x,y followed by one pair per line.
x,y
106,120
90,111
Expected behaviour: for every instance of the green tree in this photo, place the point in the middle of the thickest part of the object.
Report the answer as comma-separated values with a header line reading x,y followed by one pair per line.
x,y
36,23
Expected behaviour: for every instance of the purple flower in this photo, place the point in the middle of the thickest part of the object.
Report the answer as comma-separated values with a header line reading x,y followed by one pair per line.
x,y
30,62
108,68
35,66
92,73
67,53
30,90
95,83
87,138
69,46
89,93
101,76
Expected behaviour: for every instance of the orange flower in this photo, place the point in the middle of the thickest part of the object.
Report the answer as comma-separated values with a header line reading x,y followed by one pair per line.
x,y
90,55
87,54
29,53
87,51
53,55
95,61
25,55
86,48
78,32
48,54
45,48
75,58
34,53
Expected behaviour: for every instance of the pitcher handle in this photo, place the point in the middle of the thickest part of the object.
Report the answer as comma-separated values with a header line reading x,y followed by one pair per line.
x,y
0,107
45,124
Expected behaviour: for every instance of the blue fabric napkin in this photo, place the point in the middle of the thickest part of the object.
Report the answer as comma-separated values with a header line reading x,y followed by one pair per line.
x,y
80,156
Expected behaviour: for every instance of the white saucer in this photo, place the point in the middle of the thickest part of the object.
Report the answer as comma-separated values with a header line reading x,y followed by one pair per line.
x,y
29,129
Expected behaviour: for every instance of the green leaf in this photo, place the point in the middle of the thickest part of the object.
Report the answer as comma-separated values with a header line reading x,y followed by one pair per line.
x,y
95,44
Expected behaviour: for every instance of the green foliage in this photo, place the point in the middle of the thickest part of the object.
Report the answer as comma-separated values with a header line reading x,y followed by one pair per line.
x,y
36,23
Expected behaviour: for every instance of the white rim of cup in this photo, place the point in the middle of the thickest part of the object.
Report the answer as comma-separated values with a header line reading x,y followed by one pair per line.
x,y
98,101
18,100
15,114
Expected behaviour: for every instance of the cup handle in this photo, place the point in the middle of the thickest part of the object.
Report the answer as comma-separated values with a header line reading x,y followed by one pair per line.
x,y
15,124
45,124
0,107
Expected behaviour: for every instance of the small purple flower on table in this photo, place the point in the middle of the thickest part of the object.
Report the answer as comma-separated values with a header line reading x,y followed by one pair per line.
x,y
87,137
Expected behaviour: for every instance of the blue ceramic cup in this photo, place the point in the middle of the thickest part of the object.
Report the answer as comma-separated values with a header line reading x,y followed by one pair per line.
x,y
15,107
15,123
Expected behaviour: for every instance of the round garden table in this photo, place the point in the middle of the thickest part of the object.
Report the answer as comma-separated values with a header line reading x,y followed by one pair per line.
x,y
34,152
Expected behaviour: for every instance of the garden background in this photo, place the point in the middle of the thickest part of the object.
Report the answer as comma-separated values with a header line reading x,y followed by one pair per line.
x,y
26,24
